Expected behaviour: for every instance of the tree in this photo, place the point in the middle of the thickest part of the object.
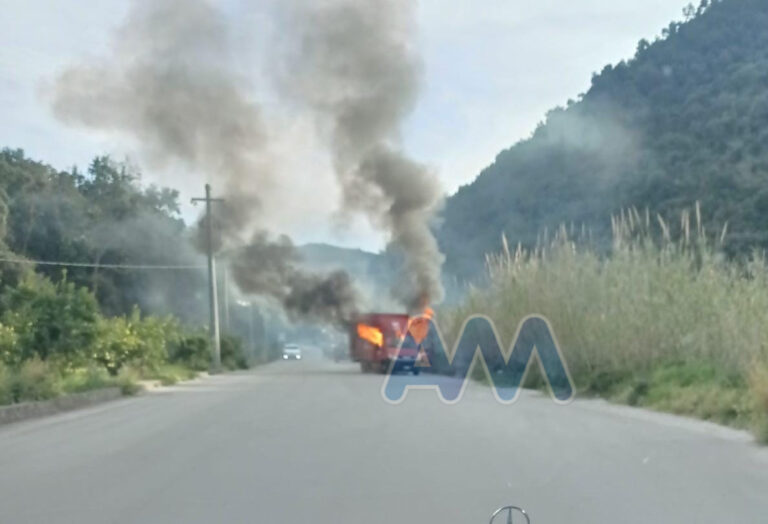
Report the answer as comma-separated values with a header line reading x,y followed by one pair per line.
x,y
685,120
102,217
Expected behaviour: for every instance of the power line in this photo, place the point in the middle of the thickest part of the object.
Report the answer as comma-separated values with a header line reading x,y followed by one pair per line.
x,y
98,266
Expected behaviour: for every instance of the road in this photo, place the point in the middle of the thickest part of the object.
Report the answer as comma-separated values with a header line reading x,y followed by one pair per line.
x,y
313,441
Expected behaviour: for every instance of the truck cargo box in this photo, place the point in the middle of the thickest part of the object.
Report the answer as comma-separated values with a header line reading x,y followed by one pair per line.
x,y
378,342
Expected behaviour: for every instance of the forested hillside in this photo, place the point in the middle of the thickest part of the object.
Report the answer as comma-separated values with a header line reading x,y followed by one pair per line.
x,y
99,284
100,217
79,307
684,120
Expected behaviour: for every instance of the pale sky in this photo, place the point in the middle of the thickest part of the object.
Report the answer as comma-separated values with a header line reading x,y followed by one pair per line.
x,y
493,68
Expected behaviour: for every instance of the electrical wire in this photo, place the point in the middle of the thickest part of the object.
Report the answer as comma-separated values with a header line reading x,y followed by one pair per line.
x,y
97,266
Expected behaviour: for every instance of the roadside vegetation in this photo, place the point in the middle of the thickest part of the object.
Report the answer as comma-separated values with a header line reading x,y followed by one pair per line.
x,y
661,319
54,340
90,327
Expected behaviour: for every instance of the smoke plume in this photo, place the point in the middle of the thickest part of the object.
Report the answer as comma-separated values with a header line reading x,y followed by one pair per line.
x,y
170,85
355,65
329,298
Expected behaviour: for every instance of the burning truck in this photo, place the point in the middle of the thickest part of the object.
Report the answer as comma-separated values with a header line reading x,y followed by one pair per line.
x,y
387,342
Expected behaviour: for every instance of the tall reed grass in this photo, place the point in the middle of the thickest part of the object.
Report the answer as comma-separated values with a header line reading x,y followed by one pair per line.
x,y
659,318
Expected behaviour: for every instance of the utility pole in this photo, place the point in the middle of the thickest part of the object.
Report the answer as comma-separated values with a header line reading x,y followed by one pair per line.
x,y
212,292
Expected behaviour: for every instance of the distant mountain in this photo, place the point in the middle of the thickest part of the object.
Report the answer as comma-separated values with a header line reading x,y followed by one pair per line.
x,y
326,257
686,119
374,274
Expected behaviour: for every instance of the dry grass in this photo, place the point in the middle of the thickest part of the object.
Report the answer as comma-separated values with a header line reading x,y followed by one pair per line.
x,y
758,381
659,319
38,380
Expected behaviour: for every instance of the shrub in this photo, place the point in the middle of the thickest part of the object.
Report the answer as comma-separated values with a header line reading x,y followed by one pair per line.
x,y
6,385
156,335
128,381
48,320
141,342
38,380
35,380
86,379
116,344
192,350
232,354
9,343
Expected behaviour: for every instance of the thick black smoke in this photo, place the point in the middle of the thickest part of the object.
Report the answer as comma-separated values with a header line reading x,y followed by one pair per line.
x,y
170,85
328,298
355,64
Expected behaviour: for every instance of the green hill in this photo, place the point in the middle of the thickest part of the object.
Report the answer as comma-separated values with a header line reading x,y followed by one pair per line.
x,y
101,217
326,257
684,120
374,274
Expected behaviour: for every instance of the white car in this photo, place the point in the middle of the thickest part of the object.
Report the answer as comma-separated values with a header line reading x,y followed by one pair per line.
x,y
291,352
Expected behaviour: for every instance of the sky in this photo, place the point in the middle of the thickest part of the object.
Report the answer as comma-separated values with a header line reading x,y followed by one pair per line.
x,y
492,69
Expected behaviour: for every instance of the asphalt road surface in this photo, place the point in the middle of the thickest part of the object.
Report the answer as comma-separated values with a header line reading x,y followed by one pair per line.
x,y
313,441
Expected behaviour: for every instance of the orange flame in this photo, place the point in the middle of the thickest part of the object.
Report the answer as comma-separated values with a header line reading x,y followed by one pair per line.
x,y
419,326
371,334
